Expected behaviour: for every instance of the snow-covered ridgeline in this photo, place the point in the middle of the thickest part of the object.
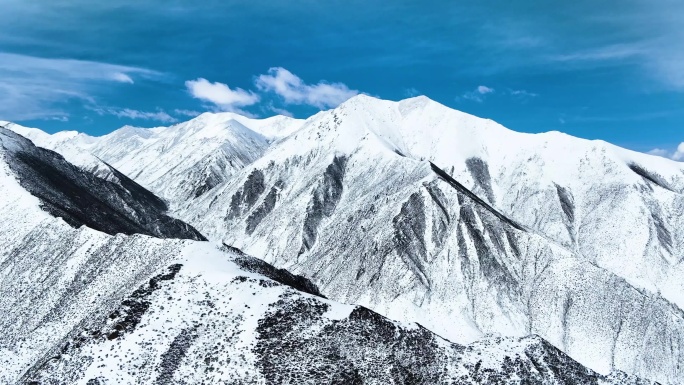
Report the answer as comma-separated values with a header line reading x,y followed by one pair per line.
x,y
205,150
350,200
86,307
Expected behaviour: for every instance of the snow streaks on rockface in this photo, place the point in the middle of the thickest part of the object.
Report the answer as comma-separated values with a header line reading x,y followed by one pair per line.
x,y
416,211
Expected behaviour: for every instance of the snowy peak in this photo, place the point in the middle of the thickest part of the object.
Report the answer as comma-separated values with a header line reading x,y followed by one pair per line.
x,y
423,213
73,146
423,129
272,128
12,142
188,159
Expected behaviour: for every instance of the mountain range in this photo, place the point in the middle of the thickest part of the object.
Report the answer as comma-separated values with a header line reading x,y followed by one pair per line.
x,y
471,253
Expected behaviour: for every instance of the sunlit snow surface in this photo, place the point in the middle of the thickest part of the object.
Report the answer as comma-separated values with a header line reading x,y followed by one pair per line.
x,y
351,201
78,306
205,150
595,271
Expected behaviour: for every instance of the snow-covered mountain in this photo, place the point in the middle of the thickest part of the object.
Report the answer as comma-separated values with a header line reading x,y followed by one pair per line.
x,y
205,150
423,213
81,306
373,202
80,198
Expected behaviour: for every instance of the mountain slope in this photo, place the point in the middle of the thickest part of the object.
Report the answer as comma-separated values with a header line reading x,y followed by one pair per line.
x,y
571,190
428,214
80,198
352,201
85,307
179,162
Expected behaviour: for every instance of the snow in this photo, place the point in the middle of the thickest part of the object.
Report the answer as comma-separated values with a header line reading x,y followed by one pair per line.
x,y
211,146
600,244
388,144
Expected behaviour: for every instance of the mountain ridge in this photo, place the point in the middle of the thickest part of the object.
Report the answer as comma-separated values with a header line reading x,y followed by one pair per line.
x,y
86,307
351,201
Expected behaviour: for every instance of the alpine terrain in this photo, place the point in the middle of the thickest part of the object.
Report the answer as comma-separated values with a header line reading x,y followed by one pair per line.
x,y
397,242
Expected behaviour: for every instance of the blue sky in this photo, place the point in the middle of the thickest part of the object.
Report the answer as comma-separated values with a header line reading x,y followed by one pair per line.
x,y
611,70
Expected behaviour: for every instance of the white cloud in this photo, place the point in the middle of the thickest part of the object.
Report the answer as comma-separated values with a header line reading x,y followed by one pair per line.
x,y
605,53
483,90
220,95
293,90
38,88
659,57
159,115
70,68
122,77
191,113
669,69
279,111
523,93
478,95
679,153
411,92
659,152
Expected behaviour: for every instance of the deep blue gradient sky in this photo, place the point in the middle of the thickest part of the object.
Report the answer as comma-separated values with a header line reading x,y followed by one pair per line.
x,y
611,70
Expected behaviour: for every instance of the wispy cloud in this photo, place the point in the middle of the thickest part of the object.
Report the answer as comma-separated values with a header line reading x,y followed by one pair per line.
x,y
220,95
293,90
648,37
644,38
158,115
483,90
190,113
123,78
38,88
478,95
70,68
606,53
410,92
669,69
523,93
277,110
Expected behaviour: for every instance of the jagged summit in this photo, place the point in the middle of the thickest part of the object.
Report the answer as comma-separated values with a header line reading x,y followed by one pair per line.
x,y
369,100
